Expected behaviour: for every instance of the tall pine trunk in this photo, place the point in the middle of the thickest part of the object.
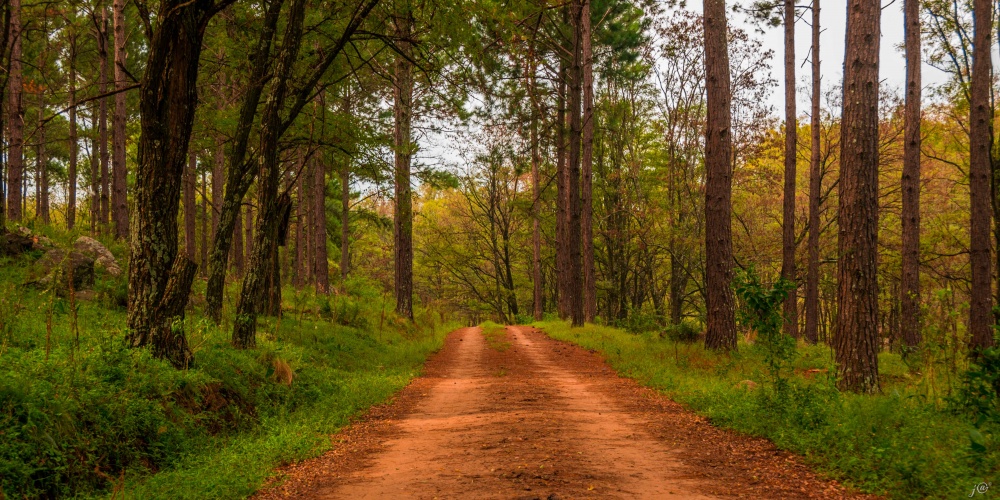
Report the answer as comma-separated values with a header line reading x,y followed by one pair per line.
x,y
856,340
575,229
538,294
812,276
42,165
909,289
217,189
190,248
980,133
720,333
74,147
345,220
791,312
586,181
15,113
119,209
402,142
562,199
102,119
321,266
203,257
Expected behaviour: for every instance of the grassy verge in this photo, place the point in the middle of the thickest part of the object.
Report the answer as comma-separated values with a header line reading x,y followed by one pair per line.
x,y
900,443
81,415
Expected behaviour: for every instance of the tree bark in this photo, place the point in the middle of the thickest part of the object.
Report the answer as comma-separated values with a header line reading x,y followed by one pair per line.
x,y
586,181
272,209
562,199
237,247
217,189
909,285
119,209
102,120
168,92
302,207
575,281
980,133
95,170
345,220
536,194
812,277
720,325
791,312
248,232
856,339
190,248
403,145
15,113
73,141
42,165
203,257
322,262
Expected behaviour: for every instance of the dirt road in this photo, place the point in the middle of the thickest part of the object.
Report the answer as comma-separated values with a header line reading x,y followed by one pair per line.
x,y
528,417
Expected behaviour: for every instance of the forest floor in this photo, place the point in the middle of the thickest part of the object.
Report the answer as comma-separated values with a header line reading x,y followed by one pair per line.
x,y
516,414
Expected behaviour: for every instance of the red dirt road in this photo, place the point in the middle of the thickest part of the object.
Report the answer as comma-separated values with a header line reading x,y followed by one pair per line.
x,y
530,417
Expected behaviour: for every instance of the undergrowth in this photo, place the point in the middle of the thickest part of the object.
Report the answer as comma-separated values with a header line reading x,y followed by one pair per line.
x,y
81,415
901,443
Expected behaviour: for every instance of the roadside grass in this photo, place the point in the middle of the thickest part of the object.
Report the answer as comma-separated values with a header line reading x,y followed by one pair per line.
x,y
81,415
901,443
496,335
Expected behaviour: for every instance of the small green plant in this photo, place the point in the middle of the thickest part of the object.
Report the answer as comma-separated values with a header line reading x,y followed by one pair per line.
x,y
761,312
496,335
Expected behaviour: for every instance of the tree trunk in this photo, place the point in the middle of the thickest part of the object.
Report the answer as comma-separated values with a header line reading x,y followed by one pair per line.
x,y
15,112
248,231
73,145
791,312
203,258
102,120
575,205
403,213
119,209
856,339
812,277
42,165
562,199
586,182
167,95
190,248
536,194
95,170
980,132
302,207
345,220
322,262
720,321
217,189
909,290
239,174
272,209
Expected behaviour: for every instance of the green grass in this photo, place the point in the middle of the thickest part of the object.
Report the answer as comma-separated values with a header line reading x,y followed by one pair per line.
x,y
496,335
901,443
81,415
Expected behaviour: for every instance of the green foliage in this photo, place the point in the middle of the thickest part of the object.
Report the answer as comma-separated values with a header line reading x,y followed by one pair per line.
x,y
686,331
760,311
899,444
496,335
978,395
82,418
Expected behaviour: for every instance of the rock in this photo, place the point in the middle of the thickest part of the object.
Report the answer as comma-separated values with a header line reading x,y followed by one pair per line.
x,y
747,384
58,264
14,244
38,242
103,258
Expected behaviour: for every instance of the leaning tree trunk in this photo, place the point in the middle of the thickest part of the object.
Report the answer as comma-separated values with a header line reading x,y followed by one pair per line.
x,y
856,340
403,212
119,209
272,210
909,289
157,282
791,311
980,131
720,328
812,276
15,113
